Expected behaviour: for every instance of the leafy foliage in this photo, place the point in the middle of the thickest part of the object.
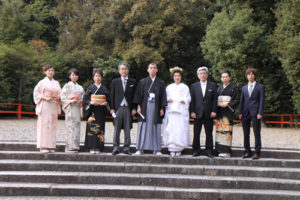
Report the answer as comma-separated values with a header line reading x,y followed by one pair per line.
x,y
286,40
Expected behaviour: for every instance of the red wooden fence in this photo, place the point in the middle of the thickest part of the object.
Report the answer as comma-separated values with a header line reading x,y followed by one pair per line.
x,y
282,121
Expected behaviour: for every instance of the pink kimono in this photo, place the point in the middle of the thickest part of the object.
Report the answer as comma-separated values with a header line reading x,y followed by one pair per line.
x,y
47,112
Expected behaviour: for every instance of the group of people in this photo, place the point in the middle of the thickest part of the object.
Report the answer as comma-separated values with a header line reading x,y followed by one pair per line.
x,y
161,111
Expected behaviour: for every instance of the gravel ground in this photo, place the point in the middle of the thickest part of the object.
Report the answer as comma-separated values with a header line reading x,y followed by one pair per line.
x,y
25,130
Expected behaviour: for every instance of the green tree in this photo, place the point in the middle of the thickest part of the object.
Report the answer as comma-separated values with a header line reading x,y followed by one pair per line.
x,y
22,23
236,39
286,40
18,71
139,32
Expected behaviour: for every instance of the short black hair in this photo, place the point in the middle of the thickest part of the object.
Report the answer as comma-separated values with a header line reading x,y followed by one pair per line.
x,y
73,70
225,72
98,71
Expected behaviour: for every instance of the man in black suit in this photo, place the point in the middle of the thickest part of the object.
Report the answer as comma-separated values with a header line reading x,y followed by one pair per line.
x,y
122,108
251,109
203,110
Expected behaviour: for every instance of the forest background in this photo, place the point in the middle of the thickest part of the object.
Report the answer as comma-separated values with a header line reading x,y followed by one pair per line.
x,y
87,34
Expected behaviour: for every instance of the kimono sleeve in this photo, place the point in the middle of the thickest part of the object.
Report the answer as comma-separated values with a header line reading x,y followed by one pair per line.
x,y
234,98
138,94
64,95
186,95
38,93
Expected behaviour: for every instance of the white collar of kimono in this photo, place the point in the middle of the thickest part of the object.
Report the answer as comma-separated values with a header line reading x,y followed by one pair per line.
x,y
49,79
224,86
153,79
98,86
73,82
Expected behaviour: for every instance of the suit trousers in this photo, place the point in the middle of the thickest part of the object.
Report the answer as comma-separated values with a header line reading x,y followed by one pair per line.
x,y
208,125
246,122
122,120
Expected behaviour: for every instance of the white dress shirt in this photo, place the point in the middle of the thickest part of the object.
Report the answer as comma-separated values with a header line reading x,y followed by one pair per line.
x,y
251,87
124,102
203,87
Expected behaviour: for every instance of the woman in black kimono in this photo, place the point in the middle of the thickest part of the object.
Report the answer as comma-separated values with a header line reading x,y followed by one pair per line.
x,y
95,114
228,99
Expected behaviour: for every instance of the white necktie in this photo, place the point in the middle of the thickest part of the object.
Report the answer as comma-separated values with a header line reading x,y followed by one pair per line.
x,y
250,90
203,87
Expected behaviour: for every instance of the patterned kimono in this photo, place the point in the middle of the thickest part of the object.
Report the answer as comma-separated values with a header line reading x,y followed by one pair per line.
x,y
73,114
95,127
47,112
224,123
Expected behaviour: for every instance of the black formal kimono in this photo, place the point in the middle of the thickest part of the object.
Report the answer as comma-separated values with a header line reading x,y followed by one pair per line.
x,y
224,123
142,93
95,127
151,96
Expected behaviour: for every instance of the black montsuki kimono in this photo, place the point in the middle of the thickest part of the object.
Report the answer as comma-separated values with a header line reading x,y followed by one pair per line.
x,y
95,116
224,123
142,93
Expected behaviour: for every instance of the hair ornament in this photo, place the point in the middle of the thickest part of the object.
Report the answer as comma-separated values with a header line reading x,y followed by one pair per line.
x,y
176,68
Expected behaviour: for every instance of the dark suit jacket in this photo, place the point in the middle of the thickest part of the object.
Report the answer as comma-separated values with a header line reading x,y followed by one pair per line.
x,y
117,94
253,105
204,106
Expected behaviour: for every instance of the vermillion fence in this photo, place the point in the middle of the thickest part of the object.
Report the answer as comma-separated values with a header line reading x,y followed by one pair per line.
x,y
292,120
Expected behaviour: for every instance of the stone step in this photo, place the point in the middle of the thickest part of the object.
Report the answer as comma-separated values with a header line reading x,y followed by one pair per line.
x,y
150,168
67,198
150,158
159,180
151,192
236,152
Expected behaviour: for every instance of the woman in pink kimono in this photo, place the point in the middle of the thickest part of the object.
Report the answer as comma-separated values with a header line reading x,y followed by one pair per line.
x,y
46,96
71,97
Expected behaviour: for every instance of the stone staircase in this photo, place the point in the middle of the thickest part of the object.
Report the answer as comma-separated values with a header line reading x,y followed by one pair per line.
x,y
27,174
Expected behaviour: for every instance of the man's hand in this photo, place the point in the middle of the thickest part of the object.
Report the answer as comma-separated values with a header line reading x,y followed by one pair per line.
x,y
213,114
240,116
112,111
162,112
139,110
193,115
259,116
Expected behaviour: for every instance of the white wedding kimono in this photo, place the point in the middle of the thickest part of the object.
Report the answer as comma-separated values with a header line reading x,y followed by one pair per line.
x,y
176,121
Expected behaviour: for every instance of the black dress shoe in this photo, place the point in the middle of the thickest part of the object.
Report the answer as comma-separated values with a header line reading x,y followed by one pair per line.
x,y
127,152
195,154
255,156
247,155
115,153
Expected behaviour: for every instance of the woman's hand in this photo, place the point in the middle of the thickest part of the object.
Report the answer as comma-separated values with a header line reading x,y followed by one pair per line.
x,y
104,103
